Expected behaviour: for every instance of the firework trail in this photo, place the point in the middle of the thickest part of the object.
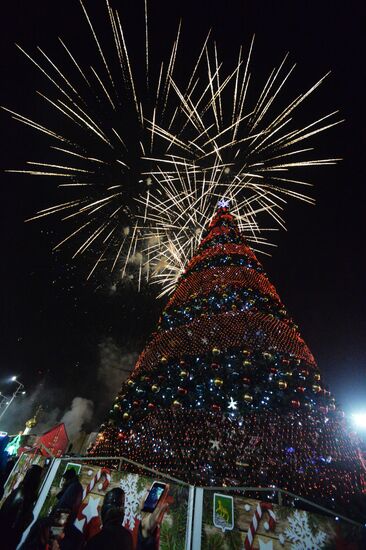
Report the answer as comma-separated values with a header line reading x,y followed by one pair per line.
x,y
146,160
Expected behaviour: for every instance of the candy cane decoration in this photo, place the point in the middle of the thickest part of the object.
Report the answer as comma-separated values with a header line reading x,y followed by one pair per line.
x,y
261,508
107,479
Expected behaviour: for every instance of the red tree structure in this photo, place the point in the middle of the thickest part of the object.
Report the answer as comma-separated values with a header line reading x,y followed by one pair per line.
x,y
227,391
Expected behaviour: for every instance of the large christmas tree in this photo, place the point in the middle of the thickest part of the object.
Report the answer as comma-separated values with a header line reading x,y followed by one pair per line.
x,y
227,391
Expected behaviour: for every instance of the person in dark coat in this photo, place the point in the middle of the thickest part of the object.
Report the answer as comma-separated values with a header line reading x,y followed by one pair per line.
x,y
113,535
69,500
17,510
40,536
70,496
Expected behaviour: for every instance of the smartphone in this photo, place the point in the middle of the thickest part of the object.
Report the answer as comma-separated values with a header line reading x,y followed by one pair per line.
x,y
154,496
58,524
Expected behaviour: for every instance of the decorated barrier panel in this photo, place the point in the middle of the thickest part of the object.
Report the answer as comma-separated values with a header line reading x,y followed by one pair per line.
x,y
197,518
97,481
230,521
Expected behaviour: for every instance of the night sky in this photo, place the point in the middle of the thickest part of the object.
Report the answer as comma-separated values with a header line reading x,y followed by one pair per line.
x,y
62,333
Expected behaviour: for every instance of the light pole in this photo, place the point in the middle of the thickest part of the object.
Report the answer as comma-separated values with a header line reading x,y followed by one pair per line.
x,y
3,401
6,402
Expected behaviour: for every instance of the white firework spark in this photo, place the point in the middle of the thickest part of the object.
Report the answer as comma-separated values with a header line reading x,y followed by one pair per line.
x,y
147,188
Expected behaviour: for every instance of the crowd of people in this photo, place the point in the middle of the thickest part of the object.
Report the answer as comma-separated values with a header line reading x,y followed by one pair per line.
x,y
57,531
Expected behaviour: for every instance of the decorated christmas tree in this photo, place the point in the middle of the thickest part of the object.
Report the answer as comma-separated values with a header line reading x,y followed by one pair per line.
x,y
227,392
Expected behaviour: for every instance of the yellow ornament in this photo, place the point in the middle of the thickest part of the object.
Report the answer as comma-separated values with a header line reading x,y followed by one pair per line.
x,y
248,398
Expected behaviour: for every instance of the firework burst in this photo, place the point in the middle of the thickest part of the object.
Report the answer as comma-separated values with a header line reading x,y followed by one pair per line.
x,y
146,159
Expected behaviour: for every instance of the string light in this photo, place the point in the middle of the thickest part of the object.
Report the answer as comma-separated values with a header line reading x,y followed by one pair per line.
x,y
240,376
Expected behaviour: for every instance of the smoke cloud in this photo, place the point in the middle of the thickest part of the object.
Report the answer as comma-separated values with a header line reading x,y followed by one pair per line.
x,y
80,413
115,366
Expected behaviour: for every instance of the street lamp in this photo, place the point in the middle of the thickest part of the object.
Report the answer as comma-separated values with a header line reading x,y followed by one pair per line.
x,y
6,402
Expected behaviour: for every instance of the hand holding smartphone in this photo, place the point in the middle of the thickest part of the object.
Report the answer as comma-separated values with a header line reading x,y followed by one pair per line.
x,y
155,496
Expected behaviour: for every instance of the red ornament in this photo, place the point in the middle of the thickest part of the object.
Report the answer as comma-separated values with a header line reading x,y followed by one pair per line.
x,y
216,407
215,366
295,403
182,391
151,406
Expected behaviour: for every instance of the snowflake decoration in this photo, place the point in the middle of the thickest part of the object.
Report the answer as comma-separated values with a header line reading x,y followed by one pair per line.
x,y
233,404
301,535
132,500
